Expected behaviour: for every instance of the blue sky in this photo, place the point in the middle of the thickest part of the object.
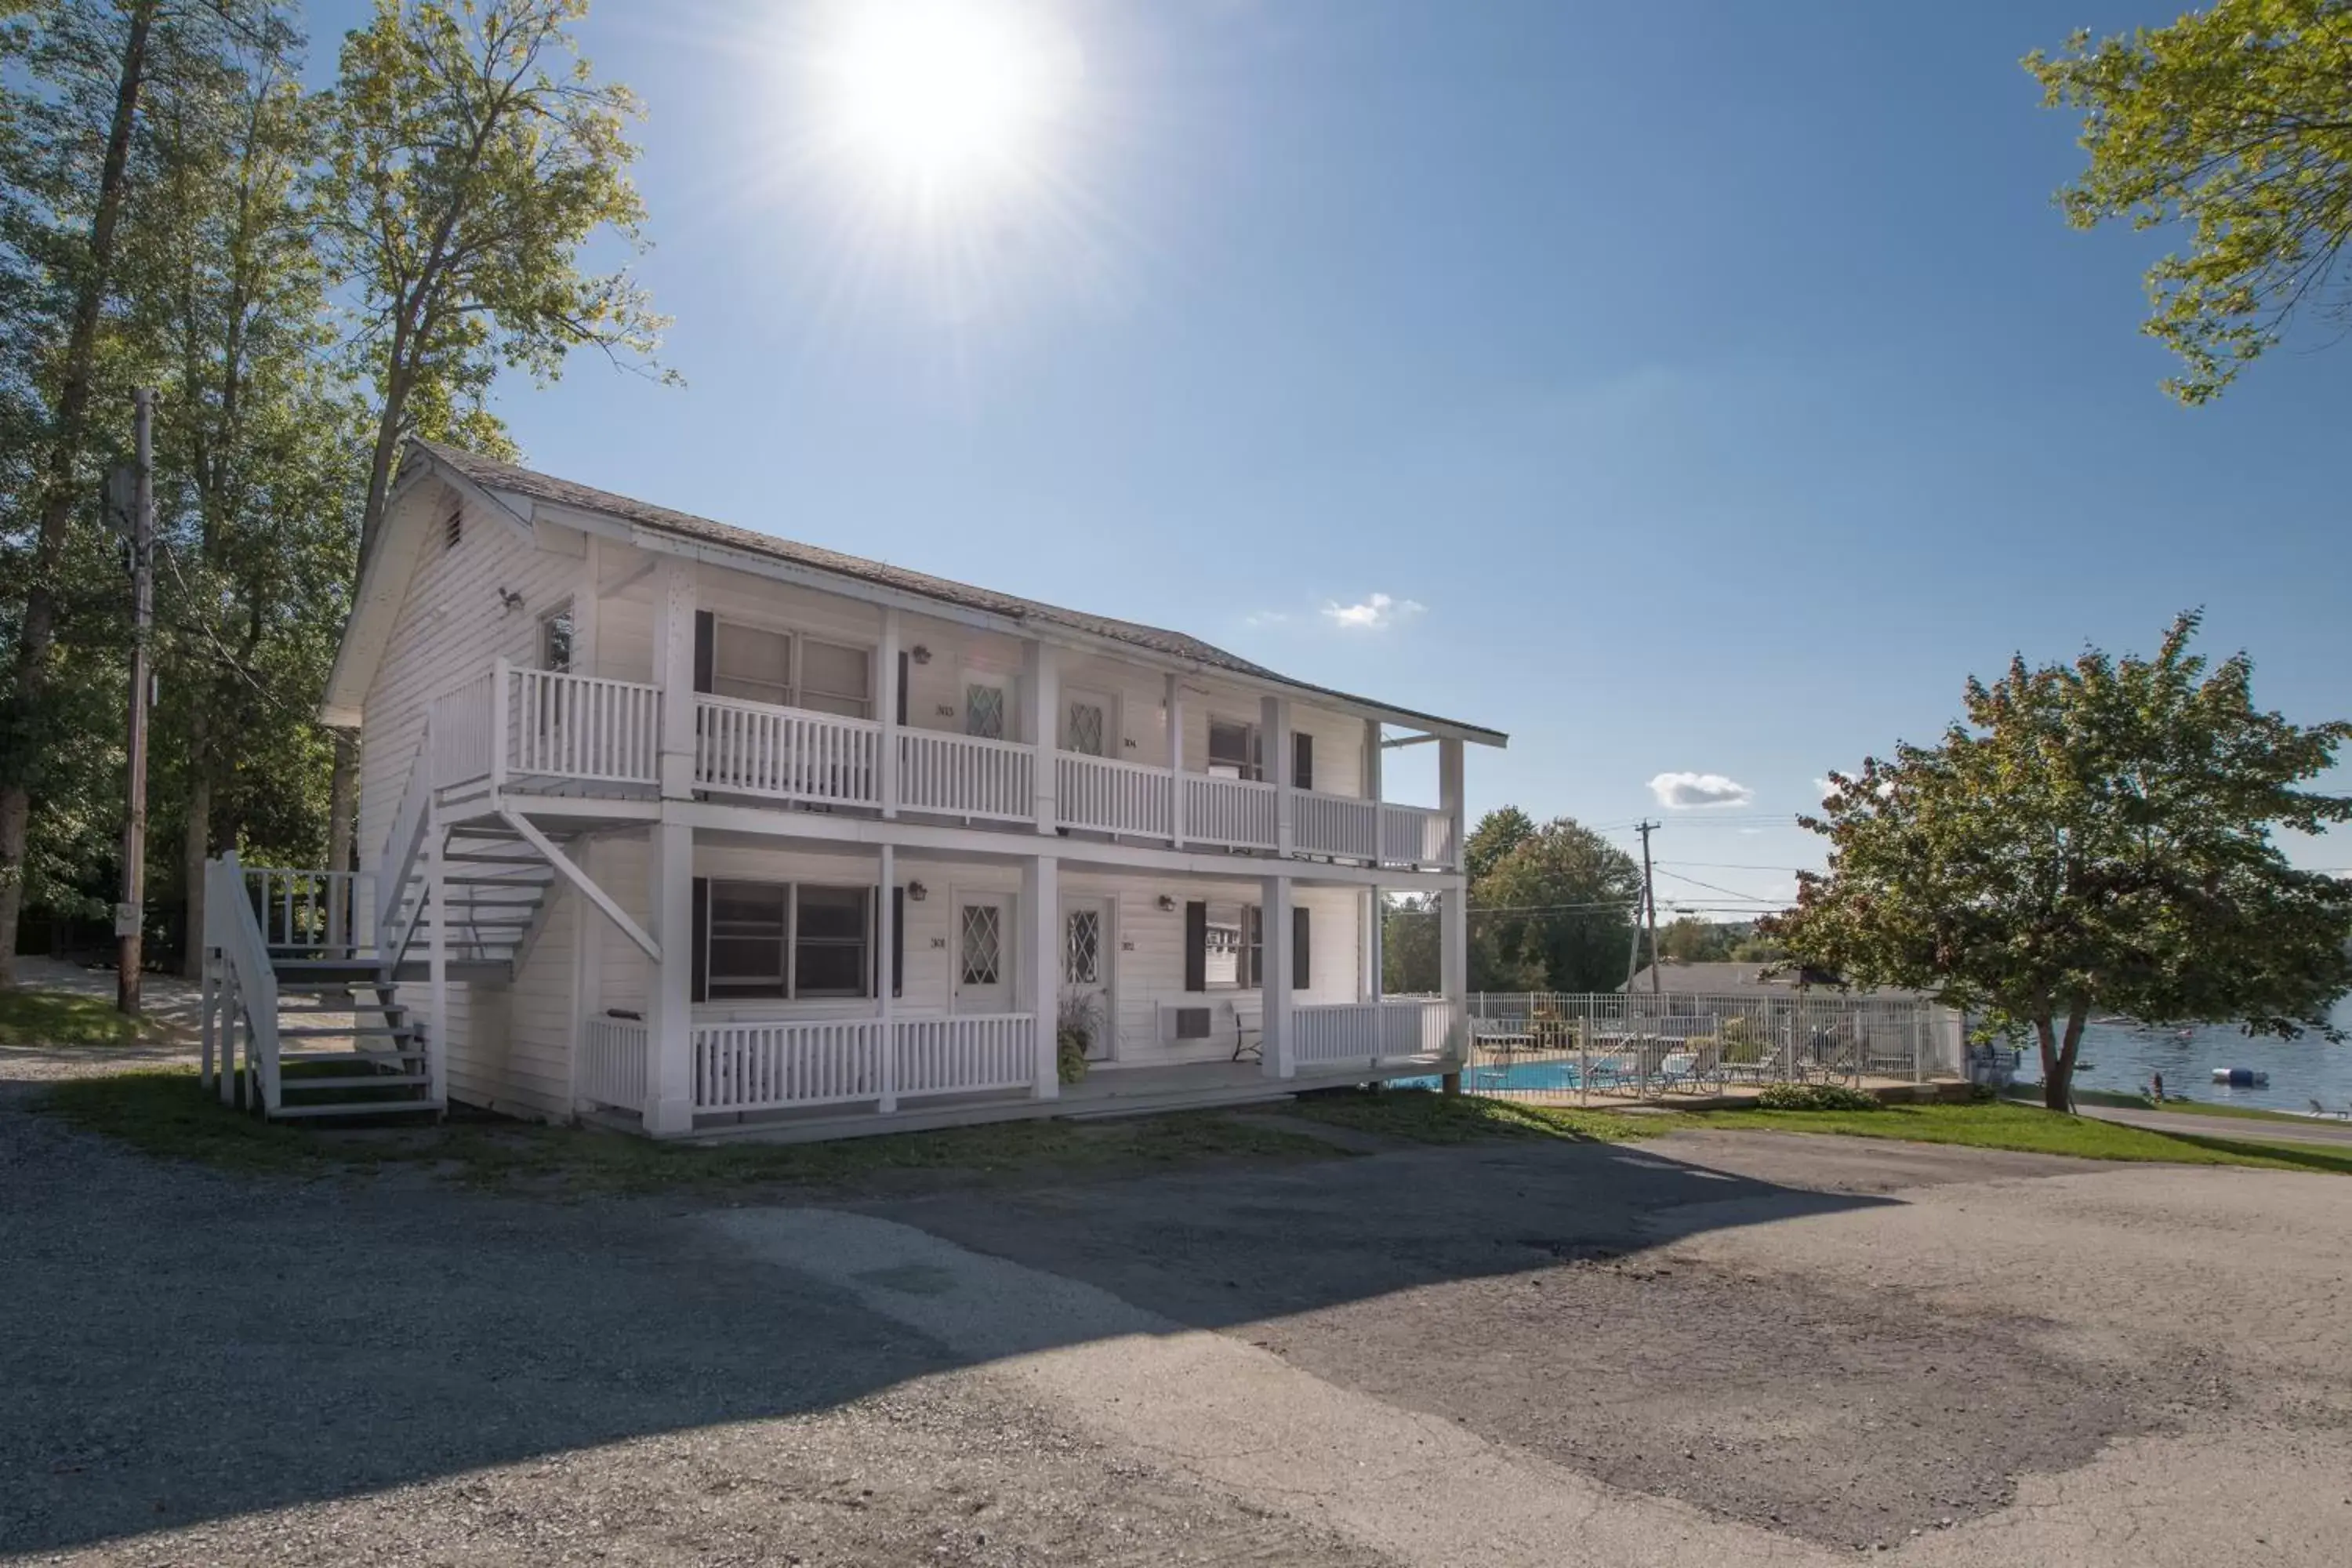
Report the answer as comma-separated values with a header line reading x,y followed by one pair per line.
x,y
1715,382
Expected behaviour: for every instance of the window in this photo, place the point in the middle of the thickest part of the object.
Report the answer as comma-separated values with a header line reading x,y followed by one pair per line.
x,y
983,710
1232,750
555,639
786,940
758,665
1082,948
753,664
1086,727
983,944
1221,966
1224,947
829,942
1302,760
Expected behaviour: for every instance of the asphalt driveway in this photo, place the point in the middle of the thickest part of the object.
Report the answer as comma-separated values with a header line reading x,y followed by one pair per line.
x,y
1712,1347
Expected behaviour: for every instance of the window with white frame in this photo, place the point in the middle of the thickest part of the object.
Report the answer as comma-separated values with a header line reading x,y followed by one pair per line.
x,y
555,639
791,670
794,941
1233,749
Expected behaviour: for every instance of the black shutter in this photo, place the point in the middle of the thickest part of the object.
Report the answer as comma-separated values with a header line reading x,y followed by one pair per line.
x,y
706,637
1299,946
1196,947
902,689
701,982
1302,763
899,941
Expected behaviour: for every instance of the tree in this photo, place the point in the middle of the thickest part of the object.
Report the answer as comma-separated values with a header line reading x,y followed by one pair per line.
x,y
1499,833
1554,912
2093,837
1690,940
2236,122
472,156
68,151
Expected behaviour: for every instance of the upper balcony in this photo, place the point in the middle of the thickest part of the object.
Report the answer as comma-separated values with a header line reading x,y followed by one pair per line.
x,y
532,731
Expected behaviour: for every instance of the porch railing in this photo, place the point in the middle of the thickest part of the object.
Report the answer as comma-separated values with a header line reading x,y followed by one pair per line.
x,y
786,754
240,994
1235,813
305,913
1337,825
1114,796
534,725
1394,1029
613,1063
569,726
964,1055
963,776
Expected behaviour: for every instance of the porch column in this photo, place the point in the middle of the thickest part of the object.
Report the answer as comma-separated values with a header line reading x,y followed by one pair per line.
x,y
1041,695
887,709
669,1000
674,603
1173,707
1453,922
1276,998
435,891
1281,766
1039,957
1375,911
1376,905
587,961
884,964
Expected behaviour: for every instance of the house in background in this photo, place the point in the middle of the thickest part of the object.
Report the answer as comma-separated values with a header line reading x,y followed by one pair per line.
x,y
692,828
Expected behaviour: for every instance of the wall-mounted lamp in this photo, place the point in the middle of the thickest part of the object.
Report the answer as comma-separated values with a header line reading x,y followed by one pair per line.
x,y
917,892
511,599
1166,905
920,654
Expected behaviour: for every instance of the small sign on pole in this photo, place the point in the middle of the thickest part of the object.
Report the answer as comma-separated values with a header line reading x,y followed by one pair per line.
x,y
126,919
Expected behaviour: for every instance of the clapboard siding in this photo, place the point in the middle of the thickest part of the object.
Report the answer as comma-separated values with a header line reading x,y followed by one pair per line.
x,y
533,1069
450,626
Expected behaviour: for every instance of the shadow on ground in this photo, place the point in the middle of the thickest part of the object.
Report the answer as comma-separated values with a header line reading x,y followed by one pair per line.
x,y
183,1345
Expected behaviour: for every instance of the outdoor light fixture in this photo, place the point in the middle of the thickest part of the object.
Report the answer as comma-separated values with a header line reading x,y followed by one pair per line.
x,y
1166,905
920,654
917,892
511,599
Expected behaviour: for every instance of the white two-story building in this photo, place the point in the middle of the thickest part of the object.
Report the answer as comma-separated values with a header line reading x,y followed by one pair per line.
x,y
692,828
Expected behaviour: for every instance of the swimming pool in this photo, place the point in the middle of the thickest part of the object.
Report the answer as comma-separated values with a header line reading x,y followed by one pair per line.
x,y
1536,1077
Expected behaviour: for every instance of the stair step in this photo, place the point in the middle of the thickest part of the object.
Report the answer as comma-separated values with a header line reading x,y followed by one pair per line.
x,y
361,1080
337,1031
319,1003
352,1058
360,1108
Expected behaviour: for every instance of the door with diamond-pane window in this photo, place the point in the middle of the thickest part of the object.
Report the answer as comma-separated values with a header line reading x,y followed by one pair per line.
x,y
1086,726
983,954
1085,970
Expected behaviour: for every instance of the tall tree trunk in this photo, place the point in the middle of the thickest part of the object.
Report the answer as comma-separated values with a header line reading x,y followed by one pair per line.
x,y
2060,1049
37,632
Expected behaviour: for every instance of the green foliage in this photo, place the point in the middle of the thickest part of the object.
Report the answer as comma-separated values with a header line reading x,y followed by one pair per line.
x,y
1558,913
1814,1097
1687,939
2095,837
2237,123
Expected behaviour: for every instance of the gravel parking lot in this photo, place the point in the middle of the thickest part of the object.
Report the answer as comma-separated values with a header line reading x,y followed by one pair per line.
x,y
1711,1347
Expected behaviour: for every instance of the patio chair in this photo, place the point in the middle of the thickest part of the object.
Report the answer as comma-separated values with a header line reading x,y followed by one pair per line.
x,y
1249,1034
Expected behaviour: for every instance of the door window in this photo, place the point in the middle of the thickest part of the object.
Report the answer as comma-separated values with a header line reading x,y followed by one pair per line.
x,y
1082,948
983,944
983,710
1087,724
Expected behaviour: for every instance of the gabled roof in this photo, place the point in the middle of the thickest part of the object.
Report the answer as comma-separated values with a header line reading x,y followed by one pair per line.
x,y
511,479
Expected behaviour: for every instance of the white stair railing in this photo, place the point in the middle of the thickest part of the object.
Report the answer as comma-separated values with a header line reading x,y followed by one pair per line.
x,y
401,848
234,930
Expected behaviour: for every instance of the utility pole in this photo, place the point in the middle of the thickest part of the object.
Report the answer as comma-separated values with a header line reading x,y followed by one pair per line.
x,y
141,530
1650,905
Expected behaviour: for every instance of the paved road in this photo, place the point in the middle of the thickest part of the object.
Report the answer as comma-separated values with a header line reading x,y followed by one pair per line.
x,y
2315,1130
1714,1347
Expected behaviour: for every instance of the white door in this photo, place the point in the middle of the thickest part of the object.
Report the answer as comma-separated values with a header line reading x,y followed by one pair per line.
x,y
1086,969
1090,725
987,707
983,954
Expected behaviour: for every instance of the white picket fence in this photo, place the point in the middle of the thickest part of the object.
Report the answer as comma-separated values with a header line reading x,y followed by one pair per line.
x,y
613,1063
747,1067
1394,1029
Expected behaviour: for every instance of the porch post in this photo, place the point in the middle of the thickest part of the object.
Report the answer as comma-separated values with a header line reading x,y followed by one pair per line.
x,y
1274,723
886,770
1039,954
1174,709
676,600
670,1002
1041,693
1374,753
1276,998
1375,909
436,961
587,971
1449,800
885,939
1454,921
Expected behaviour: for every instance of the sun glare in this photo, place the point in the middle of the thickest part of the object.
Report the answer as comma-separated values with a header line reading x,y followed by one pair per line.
x,y
950,99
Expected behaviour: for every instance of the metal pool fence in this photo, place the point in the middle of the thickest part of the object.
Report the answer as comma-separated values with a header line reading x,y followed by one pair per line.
x,y
1562,1048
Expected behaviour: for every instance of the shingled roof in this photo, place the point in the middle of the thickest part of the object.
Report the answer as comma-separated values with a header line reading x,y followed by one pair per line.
x,y
492,474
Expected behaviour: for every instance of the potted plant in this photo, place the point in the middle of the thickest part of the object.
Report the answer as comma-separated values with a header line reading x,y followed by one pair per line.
x,y
1076,1024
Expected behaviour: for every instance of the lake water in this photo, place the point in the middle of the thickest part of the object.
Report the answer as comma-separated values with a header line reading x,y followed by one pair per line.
x,y
2301,1072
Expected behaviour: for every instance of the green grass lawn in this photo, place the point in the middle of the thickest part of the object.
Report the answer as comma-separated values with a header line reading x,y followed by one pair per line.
x,y
164,1113
2187,1107
63,1019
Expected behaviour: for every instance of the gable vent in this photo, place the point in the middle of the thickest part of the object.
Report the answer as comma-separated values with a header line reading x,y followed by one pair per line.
x,y
455,532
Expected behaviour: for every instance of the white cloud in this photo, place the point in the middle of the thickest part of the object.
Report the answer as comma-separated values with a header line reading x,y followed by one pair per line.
x,y
1695,792
1823,789
1373,613
1265,619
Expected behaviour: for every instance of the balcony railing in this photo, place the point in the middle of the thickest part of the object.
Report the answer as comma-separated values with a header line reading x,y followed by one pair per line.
x,y
537,728
1414,1029
789,1065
